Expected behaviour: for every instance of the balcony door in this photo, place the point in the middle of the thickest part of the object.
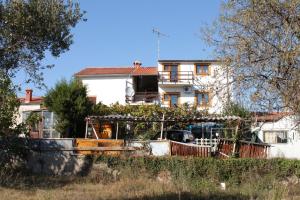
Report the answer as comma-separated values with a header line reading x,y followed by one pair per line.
x,y
173,72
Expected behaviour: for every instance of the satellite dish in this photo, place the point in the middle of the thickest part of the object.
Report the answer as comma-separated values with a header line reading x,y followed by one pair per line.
x,y
129,91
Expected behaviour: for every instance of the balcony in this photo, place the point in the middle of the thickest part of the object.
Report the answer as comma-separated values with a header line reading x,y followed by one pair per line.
x,y
143,97
172,78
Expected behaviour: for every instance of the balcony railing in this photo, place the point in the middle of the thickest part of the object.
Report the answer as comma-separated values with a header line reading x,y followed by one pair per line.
x,y
183,77
147,97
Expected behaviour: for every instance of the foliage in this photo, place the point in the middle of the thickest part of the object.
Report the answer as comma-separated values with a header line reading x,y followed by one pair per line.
x,y
258,41
235,109
33,120
29,28
69,101
9,105
146,130
193,169
11,148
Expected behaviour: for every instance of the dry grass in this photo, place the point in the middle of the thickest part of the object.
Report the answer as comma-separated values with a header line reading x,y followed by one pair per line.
x,y
136,187
127,188
137,183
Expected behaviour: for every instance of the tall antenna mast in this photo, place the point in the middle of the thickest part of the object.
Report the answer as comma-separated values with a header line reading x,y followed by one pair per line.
x,y
159,34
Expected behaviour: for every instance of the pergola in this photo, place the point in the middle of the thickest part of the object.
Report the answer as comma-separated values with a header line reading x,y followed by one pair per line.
x,y
128,118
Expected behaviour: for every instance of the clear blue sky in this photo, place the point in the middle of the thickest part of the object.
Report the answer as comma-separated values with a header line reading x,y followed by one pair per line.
x,y
117,32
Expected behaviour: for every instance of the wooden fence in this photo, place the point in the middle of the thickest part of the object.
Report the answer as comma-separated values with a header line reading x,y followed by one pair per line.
x,y
244,149
183,149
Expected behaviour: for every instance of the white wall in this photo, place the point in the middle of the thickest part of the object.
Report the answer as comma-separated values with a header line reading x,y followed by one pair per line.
x,y
26,107
290,150
288,123
157,147
107,89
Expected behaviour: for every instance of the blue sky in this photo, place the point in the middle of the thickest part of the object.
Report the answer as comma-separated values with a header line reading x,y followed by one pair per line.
x,y
117,32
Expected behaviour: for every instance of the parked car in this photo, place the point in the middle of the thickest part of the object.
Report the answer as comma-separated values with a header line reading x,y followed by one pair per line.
x,y
206,130
176,135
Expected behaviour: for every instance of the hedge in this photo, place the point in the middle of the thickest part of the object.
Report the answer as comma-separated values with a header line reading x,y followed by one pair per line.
x,y
193,168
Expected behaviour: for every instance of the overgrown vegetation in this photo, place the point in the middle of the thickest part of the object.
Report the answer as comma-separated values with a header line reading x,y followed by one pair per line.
x,y
146,130
167,178
193,169
235,109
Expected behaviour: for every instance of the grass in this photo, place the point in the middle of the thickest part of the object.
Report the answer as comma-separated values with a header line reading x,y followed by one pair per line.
x,y
170,178
125,188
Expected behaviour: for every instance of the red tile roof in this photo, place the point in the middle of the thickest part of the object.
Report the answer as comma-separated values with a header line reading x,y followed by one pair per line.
x,y
144,71
271,117
34,100
90,71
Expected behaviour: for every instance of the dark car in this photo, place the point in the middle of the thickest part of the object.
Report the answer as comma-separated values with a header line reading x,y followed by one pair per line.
x,y
176,135
206,130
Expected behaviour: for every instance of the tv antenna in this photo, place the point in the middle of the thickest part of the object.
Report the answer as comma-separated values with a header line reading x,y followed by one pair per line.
x,y
159,34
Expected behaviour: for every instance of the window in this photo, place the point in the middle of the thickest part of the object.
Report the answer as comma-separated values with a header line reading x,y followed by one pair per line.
x,y
274,137
173,71
202,98
171,98
45,126
202,69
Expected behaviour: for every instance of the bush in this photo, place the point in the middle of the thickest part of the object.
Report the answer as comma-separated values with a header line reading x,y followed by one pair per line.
x,y
193,169
69,101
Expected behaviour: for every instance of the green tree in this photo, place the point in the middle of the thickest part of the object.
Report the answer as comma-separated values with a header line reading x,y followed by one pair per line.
x,y
11,148
69,101
9,106
259,43
29,28
235,109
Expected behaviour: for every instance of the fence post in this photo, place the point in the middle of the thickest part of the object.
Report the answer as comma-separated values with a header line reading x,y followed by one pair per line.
x,y
234,149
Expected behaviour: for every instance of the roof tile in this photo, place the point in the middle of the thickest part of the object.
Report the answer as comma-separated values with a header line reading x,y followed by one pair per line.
x,y
91,71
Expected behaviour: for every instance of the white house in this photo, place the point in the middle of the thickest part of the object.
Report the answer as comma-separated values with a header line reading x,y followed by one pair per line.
x,y
134,84
281,131
198,83
28,103
45,127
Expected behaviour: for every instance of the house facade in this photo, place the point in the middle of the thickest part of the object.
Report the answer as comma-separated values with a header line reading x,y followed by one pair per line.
x,y
280,130
29,105
125,85
198,83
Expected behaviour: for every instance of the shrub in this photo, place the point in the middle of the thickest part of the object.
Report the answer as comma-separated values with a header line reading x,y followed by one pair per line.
x,y
192,169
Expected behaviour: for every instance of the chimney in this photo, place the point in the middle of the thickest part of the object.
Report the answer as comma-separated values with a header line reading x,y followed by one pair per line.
x,y
137,64
28,96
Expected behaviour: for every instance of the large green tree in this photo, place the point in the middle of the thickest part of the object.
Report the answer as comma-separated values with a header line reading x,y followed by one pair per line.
x,y
30,28
69,101
259,43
